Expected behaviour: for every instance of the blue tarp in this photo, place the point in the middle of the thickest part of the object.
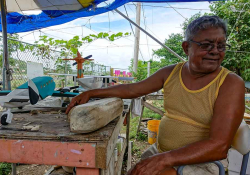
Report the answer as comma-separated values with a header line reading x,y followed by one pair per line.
x,y
17,22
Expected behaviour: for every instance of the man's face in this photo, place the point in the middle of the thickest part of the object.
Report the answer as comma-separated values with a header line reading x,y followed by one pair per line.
x,y
204,61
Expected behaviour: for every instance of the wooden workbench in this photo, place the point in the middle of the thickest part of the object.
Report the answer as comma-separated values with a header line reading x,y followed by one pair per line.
x,y
54,144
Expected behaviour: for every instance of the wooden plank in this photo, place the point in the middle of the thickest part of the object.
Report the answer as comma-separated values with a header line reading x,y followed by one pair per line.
x,y
151,107
111,167
27,109
139,124
92,116
154,97
105,150
87,171
53,126
48,153
128,117
129,162
118,167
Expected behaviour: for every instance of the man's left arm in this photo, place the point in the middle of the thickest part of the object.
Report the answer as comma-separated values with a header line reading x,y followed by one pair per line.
x,y
228,113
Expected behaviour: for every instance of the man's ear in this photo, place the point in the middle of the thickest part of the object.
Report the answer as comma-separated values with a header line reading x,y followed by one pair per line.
x,y
185,46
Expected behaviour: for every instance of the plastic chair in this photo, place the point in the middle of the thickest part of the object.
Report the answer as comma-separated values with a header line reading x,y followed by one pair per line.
x,y
241,143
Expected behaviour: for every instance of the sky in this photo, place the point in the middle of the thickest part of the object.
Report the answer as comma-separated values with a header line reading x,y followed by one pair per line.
x,y
159,19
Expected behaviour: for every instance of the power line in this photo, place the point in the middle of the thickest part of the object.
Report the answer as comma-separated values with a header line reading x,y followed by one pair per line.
x,y
185,8
24,15
177,11
33,9
51,35
129,23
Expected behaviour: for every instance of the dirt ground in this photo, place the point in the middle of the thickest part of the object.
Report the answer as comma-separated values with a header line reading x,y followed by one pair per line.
x,y
32,169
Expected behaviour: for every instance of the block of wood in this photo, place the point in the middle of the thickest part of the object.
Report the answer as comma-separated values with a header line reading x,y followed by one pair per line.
x,y
92,116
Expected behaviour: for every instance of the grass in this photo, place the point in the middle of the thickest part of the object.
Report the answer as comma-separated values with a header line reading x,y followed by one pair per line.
x,y
5,168
140,143
248,104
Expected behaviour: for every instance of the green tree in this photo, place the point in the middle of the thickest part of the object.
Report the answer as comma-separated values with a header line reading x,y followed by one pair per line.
x,y
174,42
60,68
11,48
141,70
236,13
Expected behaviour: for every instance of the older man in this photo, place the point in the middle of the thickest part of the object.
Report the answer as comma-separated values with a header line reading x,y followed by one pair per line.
x,y
204,103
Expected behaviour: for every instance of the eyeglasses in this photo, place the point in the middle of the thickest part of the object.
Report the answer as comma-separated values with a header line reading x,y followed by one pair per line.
x,y
210,46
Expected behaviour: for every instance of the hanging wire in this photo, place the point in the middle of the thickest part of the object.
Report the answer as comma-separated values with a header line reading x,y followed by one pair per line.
x,y
236,21
109,21
145,29
24,16
73,26
129,23
177,11
26,34
130,8
51,35
34,35
183,8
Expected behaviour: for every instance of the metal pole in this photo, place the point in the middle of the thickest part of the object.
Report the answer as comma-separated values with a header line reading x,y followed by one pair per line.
x,y
6,72
244,164
13,166
170,50
65,71
148,69
137,37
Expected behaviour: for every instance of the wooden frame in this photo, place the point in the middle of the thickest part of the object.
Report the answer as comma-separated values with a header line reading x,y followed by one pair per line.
x,y
54,144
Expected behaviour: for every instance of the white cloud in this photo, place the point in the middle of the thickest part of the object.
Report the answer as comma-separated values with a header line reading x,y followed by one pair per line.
x,y
160,21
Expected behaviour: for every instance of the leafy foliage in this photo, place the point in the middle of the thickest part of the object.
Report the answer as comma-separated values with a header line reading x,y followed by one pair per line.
x,y
5,168
166,58
12,46
174,42
71,46
236,13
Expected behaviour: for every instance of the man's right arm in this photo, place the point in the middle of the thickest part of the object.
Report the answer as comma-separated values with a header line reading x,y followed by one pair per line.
x,y
126,91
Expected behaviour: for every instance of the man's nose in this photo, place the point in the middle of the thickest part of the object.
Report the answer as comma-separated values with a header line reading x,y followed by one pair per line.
x,y
214,50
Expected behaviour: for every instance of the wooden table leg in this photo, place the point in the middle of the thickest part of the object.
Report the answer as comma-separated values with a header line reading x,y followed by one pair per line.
x,y
139,124
13,166
87,171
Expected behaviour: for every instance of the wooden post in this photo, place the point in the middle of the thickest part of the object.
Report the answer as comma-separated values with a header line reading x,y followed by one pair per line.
x,y
128,115
148,69
13,166
65,71
139,124
137,37
6,71
129,156
151,107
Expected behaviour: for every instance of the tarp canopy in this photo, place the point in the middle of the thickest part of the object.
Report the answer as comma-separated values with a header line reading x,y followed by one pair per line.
x,y
55,12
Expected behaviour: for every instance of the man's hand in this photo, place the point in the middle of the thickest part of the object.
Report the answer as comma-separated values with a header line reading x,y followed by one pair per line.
x,y
79,99
150,166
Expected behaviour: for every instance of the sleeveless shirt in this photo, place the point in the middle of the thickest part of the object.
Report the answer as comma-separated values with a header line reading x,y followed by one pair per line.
x,y
188,113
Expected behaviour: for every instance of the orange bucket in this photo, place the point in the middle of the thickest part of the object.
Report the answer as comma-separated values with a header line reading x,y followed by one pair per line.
x,y
153,127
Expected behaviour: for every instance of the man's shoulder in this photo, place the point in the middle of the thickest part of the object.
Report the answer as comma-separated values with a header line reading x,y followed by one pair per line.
x,y
233,82
166,71
170,68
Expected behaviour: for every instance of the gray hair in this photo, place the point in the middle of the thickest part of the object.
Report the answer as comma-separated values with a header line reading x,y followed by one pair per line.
x,y
203,23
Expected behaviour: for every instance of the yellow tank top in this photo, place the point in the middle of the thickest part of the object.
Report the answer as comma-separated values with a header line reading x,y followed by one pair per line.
x,y
188,113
